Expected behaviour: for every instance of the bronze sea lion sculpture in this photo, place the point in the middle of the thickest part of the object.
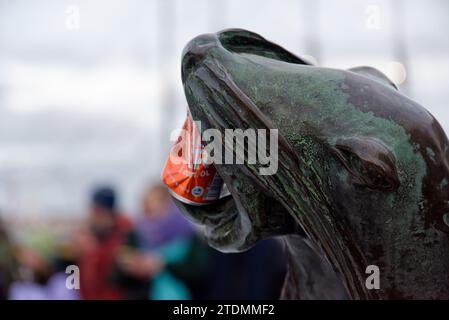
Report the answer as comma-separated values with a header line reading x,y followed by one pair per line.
x,y
362,175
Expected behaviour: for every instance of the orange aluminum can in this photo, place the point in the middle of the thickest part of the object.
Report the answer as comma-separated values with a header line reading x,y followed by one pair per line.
x,y
189,179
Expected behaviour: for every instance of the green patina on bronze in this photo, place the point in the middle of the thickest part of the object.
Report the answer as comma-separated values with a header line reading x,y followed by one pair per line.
x,y
362,177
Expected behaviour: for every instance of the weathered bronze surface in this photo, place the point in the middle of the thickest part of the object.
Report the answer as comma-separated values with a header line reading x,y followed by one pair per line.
x,y
363,170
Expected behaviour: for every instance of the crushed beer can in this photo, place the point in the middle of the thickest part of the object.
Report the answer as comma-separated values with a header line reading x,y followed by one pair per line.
x,y
189,179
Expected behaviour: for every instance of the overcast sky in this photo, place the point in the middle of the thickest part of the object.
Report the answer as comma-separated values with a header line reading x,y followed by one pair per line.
x,y
83,84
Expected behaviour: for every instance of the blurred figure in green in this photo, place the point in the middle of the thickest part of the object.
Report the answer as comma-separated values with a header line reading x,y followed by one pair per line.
x,y
39,277
164,250
8,263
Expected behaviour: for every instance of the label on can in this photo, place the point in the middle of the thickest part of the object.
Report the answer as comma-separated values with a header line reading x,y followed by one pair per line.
x,y
189,179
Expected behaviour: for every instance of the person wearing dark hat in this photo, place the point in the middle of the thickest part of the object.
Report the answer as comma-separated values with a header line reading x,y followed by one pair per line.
x,y
99,246
103,212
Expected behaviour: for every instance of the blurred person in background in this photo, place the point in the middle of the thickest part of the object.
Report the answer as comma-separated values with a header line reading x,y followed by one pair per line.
x,y
8,263
39,278
256,274
98,246
165,251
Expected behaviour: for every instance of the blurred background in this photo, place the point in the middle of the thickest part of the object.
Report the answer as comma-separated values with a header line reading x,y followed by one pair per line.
x,y
90,92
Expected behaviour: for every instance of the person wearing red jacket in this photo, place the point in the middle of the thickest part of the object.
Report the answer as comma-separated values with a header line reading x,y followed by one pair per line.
x,y
99,245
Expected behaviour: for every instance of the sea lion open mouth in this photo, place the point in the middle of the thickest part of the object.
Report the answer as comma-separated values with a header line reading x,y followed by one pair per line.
x,y
230,224
362,175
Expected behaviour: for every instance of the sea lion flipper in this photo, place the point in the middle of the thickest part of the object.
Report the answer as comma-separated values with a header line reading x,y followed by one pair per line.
x,y
373,74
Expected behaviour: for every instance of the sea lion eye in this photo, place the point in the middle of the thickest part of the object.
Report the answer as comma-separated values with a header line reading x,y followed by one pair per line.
x,y
369,162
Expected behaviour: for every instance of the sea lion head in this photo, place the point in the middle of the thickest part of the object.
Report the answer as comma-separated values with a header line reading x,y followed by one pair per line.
x,y
362,170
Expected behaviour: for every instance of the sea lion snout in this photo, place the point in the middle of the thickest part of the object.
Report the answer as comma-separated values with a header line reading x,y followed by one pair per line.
x,y
195,52
362,170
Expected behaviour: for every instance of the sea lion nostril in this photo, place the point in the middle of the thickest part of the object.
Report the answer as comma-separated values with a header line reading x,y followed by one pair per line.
x,y
188,63
195,51
200,45
446,218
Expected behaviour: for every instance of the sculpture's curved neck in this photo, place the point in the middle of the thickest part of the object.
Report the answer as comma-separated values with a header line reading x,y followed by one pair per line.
x,y
413,262
309,274
419,272
335,242
325,272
